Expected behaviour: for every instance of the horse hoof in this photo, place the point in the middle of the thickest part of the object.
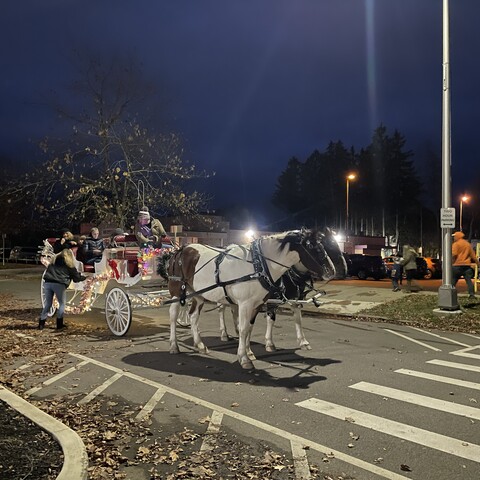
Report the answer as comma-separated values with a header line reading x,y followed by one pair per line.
x,y
225,338
270,348
174,351
203,349
247,365
306,347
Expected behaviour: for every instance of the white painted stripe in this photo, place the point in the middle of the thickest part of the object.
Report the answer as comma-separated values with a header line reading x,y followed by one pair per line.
x,y
31,364
253,422
99,389
460,366
151,404
300,462
413,340
453,446
466,352
56,377
214,425
438,378
420,400
439,336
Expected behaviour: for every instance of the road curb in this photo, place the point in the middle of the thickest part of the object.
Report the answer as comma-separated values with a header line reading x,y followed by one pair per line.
x,y
75,462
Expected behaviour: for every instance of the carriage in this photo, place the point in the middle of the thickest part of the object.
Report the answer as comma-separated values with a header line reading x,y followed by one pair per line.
x,y
244,276
129,277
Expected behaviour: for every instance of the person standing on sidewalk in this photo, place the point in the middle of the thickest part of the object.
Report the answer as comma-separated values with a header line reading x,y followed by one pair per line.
x,y
397,272
56,279
409,264
463,258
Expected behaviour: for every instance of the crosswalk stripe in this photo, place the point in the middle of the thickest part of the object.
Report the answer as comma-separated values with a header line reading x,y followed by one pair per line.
x,y
300,461
438,378
429,439
151,404
460,366
368,467
99,389
413,340
439,336
421,400
466,352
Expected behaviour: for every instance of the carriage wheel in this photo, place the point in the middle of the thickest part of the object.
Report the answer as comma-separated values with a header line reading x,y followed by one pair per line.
x,y
52,310
118,312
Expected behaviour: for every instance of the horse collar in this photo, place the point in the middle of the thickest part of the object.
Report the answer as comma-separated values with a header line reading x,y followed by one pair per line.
x,y
261,269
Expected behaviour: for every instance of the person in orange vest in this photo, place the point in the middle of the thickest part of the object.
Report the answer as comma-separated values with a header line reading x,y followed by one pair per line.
x,y
463,259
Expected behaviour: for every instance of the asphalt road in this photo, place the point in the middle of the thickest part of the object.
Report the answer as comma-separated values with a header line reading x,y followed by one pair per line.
x,y
375,400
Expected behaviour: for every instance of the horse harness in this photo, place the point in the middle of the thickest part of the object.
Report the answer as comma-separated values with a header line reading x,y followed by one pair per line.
x,y
261,273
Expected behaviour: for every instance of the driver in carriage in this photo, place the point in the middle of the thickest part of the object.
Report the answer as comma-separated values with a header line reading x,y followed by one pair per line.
x,y
148,231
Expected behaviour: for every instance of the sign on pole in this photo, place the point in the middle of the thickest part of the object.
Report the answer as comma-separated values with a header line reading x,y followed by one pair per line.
x,y
447,217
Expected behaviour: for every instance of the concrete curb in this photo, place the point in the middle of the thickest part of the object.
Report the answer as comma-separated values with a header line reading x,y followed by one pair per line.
x,y
75,462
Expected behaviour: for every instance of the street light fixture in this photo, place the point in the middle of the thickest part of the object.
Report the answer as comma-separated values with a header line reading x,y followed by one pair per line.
x,y
463,200
350,177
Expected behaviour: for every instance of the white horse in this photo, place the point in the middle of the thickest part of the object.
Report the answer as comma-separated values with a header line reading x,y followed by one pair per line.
x,y
294,281
297,283
244,275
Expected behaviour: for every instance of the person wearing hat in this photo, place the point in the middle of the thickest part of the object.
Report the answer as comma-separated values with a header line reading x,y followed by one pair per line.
x,y
463,259
65,241
149,231
56,279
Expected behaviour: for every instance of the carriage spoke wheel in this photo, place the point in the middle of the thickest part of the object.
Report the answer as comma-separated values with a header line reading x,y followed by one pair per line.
x,y
118,312
52,310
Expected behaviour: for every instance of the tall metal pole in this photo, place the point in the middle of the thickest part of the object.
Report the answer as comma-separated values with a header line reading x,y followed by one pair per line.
x,y
346,217
461,213
447,294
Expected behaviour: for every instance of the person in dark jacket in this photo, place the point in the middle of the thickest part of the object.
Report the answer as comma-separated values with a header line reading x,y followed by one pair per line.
x,y
65,241
93,247
56,279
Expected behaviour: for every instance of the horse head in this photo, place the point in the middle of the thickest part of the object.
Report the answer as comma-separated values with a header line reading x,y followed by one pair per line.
x,y
327,238
313,255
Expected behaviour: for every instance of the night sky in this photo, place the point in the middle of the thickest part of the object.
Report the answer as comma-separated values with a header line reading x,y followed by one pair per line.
x,y
251,83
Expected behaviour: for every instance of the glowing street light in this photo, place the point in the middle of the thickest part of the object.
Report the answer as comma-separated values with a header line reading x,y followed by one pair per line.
x,y
250,235
350,177
463,200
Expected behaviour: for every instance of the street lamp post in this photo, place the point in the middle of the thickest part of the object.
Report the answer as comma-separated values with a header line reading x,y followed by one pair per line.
x,y
463,200
350,177
447,293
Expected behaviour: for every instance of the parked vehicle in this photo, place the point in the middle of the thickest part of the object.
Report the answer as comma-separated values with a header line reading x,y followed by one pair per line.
x,y
24,254
434,267
422,267
365,266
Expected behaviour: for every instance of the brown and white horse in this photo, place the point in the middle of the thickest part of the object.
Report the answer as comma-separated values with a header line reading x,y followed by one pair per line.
x,y
244,275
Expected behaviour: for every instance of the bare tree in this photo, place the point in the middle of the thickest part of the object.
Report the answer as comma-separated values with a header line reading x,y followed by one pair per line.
x,y
110,164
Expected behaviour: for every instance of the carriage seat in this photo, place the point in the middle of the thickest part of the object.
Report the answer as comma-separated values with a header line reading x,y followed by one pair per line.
x,y
127,249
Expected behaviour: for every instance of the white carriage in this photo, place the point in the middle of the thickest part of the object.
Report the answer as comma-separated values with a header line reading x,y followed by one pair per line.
x,y
138,276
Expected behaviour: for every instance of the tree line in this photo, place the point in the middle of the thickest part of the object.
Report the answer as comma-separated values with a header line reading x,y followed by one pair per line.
x,y
386,197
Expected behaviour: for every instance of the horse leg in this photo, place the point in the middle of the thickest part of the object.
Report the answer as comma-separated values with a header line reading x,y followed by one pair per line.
x,y
302,341
269,345
245,314
173,312
194,317
224,337
234,309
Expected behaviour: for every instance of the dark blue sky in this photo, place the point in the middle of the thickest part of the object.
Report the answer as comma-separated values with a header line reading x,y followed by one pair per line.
x,y
251,83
